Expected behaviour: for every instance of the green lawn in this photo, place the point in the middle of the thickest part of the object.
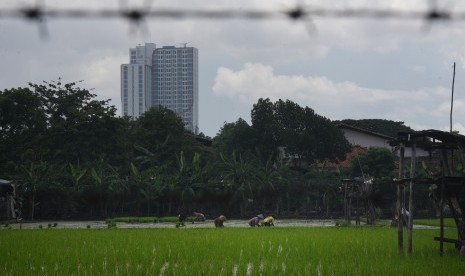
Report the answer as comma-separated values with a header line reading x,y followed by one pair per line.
x,y
227,251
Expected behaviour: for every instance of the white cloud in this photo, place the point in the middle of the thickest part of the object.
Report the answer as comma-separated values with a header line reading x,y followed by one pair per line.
x,y
419,69
337,100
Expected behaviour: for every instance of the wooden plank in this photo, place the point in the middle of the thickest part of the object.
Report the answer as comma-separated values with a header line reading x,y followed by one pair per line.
x,y
446,240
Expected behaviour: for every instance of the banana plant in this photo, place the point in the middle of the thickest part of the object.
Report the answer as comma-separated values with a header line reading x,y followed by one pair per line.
x,y
35,174
76,175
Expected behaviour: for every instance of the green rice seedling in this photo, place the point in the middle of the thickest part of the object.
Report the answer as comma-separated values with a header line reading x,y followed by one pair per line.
x,y
228,251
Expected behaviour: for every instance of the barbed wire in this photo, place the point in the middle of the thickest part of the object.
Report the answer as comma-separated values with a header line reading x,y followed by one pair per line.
x,y
39,14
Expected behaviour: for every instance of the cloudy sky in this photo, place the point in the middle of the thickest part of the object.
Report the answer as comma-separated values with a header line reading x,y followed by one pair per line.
x,y
343,68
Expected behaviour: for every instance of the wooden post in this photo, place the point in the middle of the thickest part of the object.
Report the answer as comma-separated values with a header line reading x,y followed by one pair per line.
x,y
400,234
346,214
441,218
410,200
349,203
446,170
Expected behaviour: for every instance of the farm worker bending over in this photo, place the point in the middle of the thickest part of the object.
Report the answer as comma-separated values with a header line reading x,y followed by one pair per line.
x,y
219,221
268,221
198,217
182,218
255,221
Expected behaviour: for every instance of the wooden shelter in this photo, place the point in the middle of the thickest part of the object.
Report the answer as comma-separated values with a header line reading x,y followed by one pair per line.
x,y
358,190
446,179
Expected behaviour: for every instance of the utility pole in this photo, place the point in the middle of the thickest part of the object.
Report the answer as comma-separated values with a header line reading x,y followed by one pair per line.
x,y
452,99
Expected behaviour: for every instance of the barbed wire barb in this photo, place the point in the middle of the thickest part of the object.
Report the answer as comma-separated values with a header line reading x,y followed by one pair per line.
x,y
136,17
35,14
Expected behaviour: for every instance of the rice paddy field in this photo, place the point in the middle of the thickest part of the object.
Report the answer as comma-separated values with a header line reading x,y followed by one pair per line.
x,y
227,251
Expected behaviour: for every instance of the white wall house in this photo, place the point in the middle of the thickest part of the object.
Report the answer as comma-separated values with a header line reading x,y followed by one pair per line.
x,y
367,139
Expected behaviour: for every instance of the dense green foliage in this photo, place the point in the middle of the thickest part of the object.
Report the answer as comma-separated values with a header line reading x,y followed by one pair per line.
x,y
71,157
300,131
228,251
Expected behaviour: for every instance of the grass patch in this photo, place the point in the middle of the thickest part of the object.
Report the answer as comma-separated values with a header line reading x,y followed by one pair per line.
x,y
448,222
227,251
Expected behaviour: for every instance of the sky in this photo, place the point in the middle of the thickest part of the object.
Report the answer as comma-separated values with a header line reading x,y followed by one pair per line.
x,y
343,68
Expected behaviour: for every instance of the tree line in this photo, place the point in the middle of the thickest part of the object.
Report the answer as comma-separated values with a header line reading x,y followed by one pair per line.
x,y
72,157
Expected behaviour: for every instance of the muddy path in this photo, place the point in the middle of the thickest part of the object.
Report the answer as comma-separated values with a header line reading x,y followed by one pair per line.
x,y
206,224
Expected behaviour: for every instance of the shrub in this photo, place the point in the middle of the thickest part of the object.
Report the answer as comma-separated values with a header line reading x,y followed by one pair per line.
x,y
342,223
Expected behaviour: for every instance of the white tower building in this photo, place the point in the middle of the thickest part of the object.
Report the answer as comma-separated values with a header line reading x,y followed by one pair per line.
x,y
136,79
175,82
166,76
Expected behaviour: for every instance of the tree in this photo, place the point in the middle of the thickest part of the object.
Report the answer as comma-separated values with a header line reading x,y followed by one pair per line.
x,y
307,135
376,168
238,136
377,162
79,128
21,120
263,122
161,132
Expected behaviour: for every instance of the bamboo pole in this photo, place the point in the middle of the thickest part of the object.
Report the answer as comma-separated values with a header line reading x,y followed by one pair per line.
x,y
400,234
446,170
441,218
410,200
346,208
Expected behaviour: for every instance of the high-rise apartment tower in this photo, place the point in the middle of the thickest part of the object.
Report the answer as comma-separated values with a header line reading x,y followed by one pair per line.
x,y
166,76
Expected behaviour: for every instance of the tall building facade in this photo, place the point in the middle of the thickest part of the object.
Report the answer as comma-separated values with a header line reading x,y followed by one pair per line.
x,y
166,76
